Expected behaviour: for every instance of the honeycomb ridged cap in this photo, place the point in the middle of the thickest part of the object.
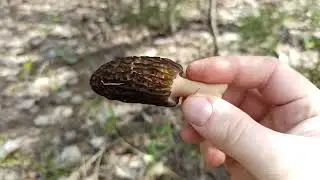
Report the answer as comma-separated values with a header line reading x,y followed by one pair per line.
x,y
143,79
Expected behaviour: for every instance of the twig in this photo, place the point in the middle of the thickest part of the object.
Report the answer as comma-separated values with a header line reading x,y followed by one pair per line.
x,y
212,14
83,168
136,148
97,168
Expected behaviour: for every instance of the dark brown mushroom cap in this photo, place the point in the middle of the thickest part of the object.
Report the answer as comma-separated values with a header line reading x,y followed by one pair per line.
x,y
145,80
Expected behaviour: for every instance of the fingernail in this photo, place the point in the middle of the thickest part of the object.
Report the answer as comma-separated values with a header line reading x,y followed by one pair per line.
x,y
197,110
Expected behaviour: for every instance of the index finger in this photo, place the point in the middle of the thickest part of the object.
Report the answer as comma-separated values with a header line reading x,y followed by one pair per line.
x,y
277,83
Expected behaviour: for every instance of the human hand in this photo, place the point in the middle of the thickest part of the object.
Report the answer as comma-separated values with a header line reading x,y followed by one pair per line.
x,y
267,124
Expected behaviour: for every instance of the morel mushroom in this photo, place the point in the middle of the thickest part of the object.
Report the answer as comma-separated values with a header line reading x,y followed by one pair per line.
x,y
147,80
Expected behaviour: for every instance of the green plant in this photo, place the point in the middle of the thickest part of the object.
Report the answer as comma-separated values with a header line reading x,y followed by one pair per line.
x,y
26,69
56,19
307,12
14,158
49,169
311,43
27,66
166,129
111,119
163,143
102,110
65,56
259,33
161,15
161,140
157,149
315,17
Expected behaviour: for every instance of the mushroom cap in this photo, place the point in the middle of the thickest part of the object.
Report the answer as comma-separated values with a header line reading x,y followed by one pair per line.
x,y
143,79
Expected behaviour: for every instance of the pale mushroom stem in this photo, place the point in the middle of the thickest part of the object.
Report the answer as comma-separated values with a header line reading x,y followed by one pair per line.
x,y
183,87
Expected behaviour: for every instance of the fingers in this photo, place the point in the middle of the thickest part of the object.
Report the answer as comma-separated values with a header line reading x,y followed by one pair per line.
x,y
213,157
249,101
230,130
253,105
189,135
237,170
277,83
235,95
284,118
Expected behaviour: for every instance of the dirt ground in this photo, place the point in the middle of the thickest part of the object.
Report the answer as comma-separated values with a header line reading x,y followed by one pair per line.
x,y
53,126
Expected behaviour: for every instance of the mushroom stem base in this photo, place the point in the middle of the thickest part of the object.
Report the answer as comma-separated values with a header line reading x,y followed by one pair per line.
x,y
183,87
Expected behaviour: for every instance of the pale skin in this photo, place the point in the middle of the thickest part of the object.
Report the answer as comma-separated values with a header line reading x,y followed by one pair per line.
x,y
266,126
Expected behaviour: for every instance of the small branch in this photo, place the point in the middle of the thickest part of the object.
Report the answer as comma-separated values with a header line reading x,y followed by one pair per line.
x,y
84,167
212,14
134,147
98,163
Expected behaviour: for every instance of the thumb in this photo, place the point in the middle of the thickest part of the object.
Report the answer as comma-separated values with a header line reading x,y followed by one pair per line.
x,y
230,130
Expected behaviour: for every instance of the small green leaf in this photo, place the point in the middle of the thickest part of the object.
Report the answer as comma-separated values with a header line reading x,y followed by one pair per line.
x,y
111,119
66,56
27,66
166,129
311,43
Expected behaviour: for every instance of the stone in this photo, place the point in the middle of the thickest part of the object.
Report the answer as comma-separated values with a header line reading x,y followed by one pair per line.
x,y
228,37
150,52
163,41
65,76
62,31
89,94
76,99
56,140
36,41
62,112
41,85
125,109
63,178
130,166
97,142
62,97
309,59
70,135
19,89
191,13
16,45
50,53
123,173
26,104
8,61
293,57
43,120
70,156
35,109
10,146
6,71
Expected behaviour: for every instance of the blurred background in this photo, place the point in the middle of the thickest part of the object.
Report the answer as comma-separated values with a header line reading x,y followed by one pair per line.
x,y
52,125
